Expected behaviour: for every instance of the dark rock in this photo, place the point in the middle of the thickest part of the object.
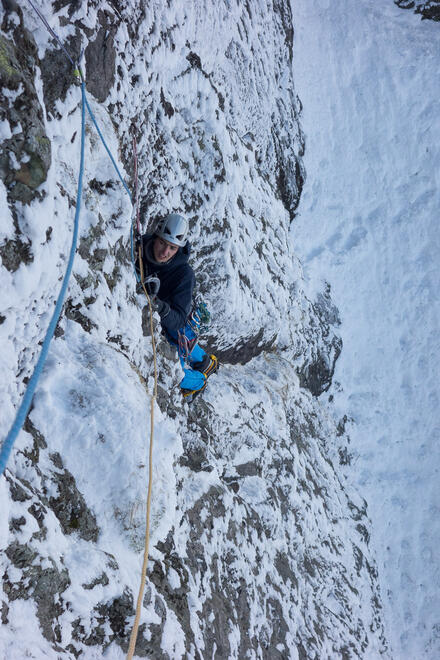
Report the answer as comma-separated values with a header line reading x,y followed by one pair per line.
x,y
166,105
16,523
18,493
102,579
113,278
290,177
427,10
95,256
38,442
146,327
30,147
101,187
57,74
118,611
232,483
195,458
38,511
283,12
100,57
175,598
20,555
227,602
4,613
317,375
194,60
15,252
283,567
118,340
114,614
69,506
323,346
251,469
72,5
73,313
278,629
245,350
96,636
10,5
43,585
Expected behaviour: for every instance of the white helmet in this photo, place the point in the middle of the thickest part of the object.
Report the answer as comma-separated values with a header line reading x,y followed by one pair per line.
x,y
174,229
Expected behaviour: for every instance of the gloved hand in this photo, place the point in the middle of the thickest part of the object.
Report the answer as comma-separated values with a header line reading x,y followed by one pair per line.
x,y
161,307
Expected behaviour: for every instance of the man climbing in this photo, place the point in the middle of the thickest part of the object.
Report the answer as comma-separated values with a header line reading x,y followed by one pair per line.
x,y
170,280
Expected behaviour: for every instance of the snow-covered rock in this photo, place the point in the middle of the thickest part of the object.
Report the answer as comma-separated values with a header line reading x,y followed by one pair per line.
x,y
258,547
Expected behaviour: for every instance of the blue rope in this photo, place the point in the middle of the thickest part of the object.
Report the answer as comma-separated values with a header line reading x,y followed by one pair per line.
x,y
107,149
31,387
120,178
30,390
56,37
51,32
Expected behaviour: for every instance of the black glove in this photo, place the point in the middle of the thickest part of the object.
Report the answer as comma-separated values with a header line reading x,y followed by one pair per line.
x,y
161,307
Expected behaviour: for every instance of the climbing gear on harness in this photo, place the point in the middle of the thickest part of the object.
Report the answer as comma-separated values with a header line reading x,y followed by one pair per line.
x,y
185,345
197,322
174,229
204,316
200,318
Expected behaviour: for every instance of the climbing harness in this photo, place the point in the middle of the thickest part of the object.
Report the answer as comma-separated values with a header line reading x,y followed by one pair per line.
x,y
185,346
30,390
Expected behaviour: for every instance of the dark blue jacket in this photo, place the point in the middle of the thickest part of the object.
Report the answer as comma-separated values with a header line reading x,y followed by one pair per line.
x,y
177,282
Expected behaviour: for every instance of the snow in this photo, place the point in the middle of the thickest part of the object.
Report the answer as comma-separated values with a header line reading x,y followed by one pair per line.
x,y
368,76
366,225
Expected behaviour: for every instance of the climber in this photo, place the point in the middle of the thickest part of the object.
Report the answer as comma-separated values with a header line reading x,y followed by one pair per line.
x,y
170,280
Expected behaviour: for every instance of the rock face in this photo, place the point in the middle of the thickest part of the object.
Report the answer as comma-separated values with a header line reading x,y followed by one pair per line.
x,y
430,9
258,546
26,155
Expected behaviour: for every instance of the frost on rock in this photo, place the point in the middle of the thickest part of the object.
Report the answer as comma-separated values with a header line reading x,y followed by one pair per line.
x,y
428,10
257,548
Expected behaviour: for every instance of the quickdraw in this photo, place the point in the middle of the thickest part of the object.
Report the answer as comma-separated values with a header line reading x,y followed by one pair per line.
x,y
198,321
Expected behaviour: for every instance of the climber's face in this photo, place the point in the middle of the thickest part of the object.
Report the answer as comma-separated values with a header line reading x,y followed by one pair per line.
x,y
163,251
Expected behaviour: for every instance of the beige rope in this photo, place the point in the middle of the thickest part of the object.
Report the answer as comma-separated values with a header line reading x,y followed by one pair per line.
x,y
134,632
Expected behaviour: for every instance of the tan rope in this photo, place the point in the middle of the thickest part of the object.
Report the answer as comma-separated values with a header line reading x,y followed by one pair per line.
x,y
134,632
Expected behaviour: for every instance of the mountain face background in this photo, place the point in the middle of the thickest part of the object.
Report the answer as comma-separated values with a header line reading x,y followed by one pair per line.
x,y
259,543
368,224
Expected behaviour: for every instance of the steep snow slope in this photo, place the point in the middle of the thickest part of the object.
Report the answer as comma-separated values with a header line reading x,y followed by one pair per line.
x,y
368,75
258,550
